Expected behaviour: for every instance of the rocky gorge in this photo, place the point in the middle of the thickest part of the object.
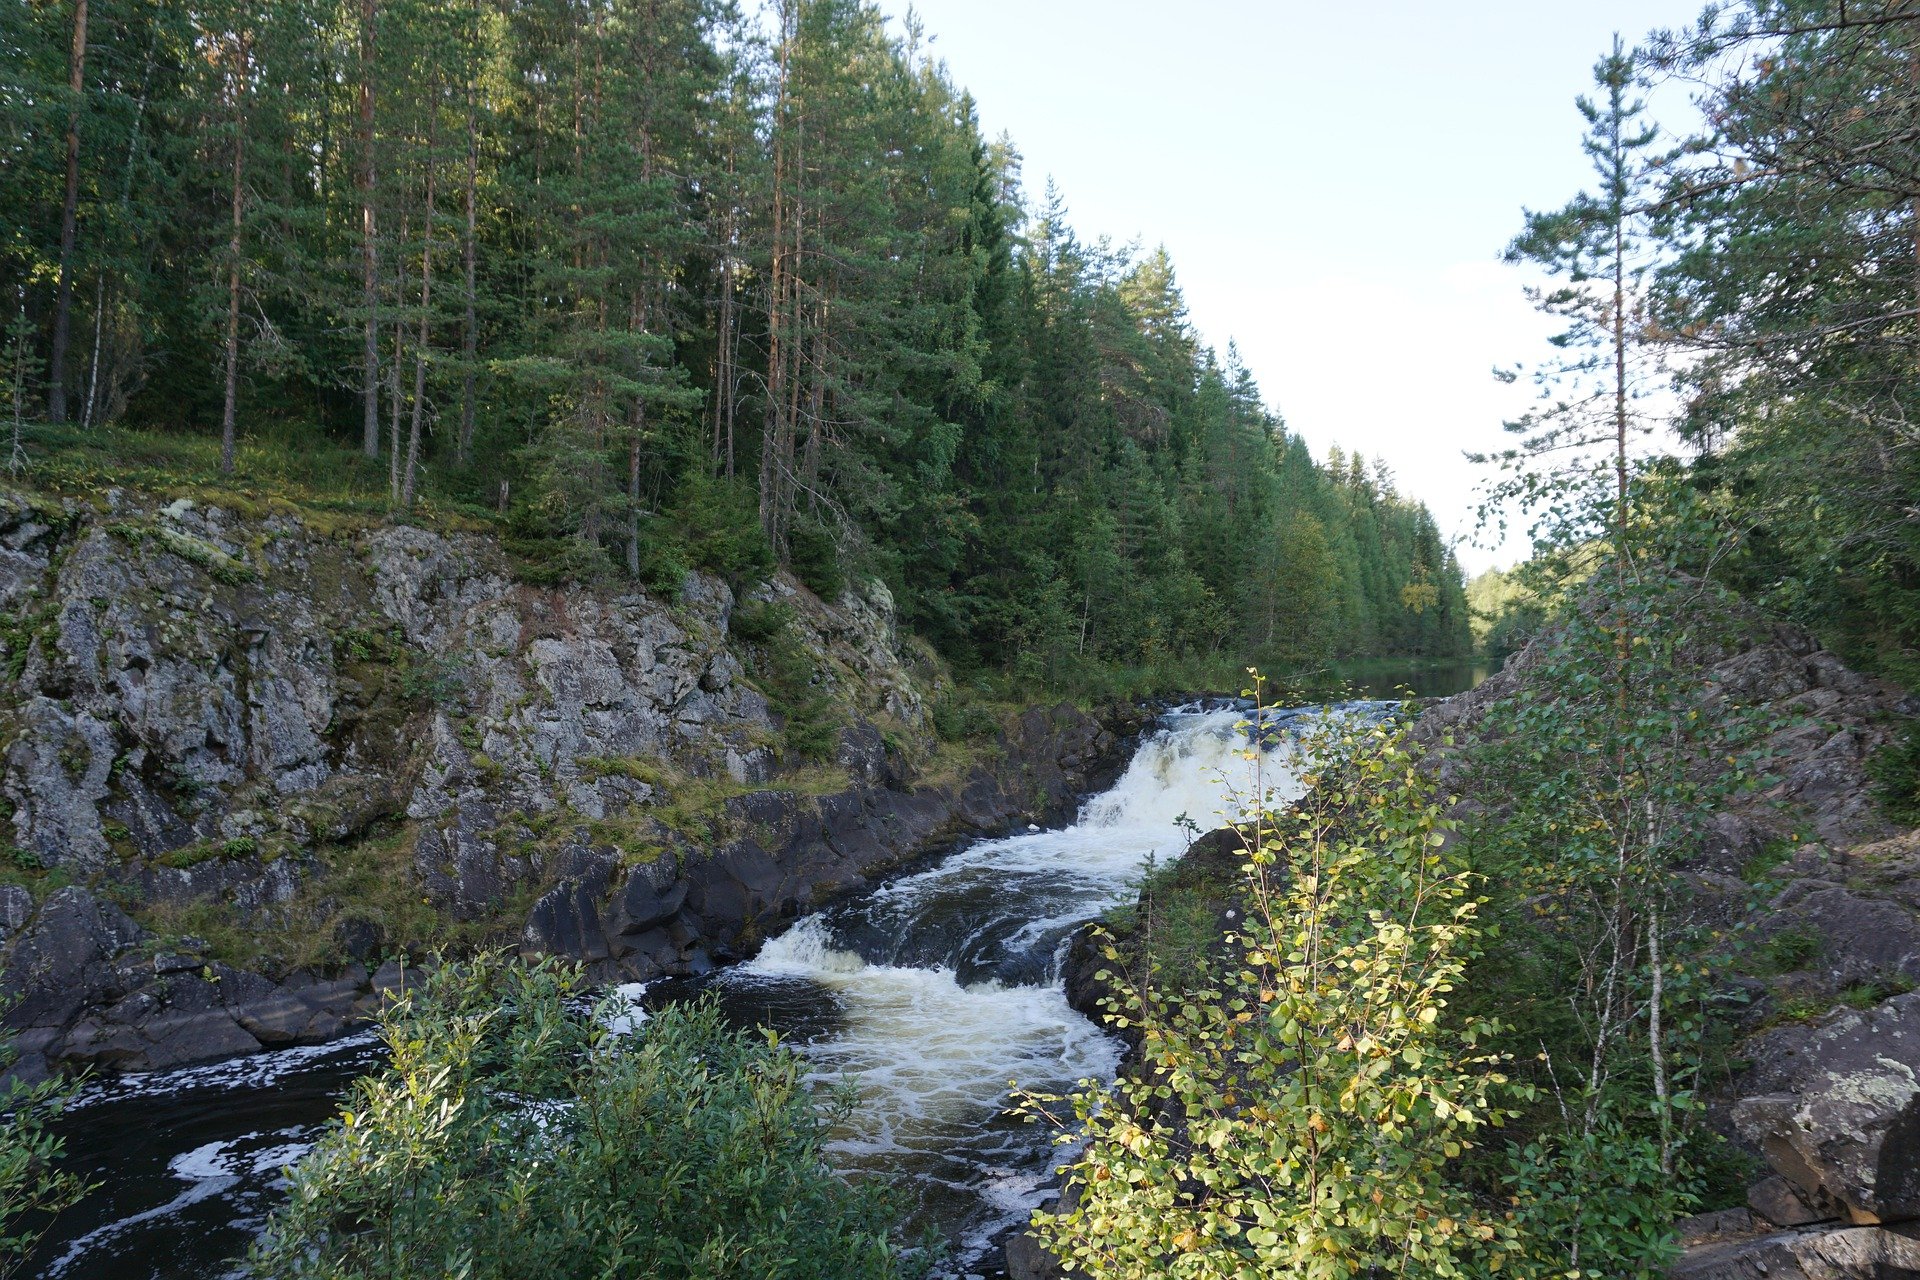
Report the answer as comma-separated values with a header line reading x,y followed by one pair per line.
x,y
256,763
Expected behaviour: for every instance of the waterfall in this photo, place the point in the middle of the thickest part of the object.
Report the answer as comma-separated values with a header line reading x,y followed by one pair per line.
x,y
942,986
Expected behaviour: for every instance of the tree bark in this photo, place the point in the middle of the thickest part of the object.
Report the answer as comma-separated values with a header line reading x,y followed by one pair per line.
x,y
470,329
394,449
243,50
69,213
776,434
126,203
409,481
369,246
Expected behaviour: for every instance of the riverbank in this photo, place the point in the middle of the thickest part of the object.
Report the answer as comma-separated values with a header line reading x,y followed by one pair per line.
x,y
934,985
255,763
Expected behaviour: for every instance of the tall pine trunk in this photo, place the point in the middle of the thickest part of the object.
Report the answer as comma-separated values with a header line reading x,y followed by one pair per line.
x,y
410,479
243,49
69,213
369,247
776,434
88,409
470,328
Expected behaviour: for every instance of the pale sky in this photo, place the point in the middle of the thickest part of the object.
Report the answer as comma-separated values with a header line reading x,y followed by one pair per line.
x,y
1335,183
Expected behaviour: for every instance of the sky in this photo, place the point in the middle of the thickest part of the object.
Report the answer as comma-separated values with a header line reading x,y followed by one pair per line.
x,y
1335,183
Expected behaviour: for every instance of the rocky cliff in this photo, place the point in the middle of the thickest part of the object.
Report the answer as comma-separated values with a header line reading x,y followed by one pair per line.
x,y
248,756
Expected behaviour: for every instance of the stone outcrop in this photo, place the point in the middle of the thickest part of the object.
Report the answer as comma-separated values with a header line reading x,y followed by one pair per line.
x,y
1847,1253
1835,1107
1825,892
781,852
203,706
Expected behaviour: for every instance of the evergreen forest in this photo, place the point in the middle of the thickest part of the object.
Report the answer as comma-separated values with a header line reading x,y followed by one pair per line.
x,y
660,285
1600,970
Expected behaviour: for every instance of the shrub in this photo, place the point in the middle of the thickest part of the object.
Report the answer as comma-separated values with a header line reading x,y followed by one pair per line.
x,y
515,1135
1794,949
33,1188
960,719
757,621
720,521
815,556
1301,1111
1895,770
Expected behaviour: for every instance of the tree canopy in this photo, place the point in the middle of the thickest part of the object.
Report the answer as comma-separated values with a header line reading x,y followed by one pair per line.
x,y
644,278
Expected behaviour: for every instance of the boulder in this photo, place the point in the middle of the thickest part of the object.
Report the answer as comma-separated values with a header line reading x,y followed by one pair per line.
x,y
1849,1253
1836,1110
64,959
1778,1201
1026,1260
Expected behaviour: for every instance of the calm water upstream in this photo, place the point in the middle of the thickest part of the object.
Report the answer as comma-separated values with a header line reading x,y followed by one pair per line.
x,y
930,991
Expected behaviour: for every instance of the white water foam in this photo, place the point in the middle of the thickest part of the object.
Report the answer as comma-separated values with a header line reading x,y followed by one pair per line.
x,y
932,1056
256,1071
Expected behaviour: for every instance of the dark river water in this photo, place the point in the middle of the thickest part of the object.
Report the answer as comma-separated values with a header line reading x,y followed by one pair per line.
x,y
930,992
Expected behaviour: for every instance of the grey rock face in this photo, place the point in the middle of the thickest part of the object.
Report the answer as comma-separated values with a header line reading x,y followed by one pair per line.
x,y
1856,1253
1779,1202
57,769
1026,1260
63,960
208,709
1836,1109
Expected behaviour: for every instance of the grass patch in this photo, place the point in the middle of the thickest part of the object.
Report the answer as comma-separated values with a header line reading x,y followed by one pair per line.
x,y
274,463
1866,995
372,881
1792,950
691,807
1760,867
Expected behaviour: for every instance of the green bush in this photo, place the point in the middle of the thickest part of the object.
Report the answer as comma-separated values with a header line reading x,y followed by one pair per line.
x,y
757,621
1895,770
786,672
514,1135
1791,950
1302,1108
720,521
814,553
960,719
33,1187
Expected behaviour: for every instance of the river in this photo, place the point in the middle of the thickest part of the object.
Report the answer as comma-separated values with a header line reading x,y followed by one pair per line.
x,y
930,992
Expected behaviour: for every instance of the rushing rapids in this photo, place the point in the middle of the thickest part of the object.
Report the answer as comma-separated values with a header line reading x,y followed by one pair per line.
x,y
926,995
942,986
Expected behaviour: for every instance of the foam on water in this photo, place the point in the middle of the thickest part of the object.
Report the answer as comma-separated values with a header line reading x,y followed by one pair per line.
x,y
946,981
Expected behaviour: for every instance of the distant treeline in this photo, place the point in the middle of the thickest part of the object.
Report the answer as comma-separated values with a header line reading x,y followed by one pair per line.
x,y
671,285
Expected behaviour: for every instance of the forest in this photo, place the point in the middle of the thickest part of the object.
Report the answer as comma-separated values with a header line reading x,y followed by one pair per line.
x,y
658,285
1603,969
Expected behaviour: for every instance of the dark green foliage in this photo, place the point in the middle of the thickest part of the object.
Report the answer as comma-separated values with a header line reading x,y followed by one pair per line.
x,y
781,664
757,621
716,524
588,278
33,1186
1794,949
1895,770
815,558
1790,288
958,718
514,1133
